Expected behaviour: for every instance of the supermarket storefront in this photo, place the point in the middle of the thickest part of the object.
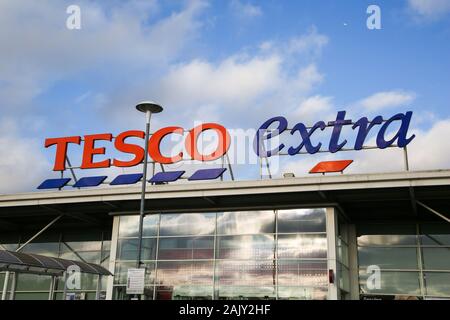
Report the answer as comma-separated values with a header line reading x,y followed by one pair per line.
x,y
373,236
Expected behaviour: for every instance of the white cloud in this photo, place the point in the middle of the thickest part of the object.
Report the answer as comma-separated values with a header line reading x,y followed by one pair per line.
x,y
22,163
307,78
270,81
245,9
430,8
41,50
312,106
232,81
311,42
387,99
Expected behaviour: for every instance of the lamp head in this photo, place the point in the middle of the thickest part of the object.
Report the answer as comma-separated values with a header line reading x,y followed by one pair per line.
x,y
151,106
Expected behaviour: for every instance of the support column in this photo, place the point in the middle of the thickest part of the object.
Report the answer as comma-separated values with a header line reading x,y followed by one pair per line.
x,y
64,297
331,220
12,294
5,285
353,262
112,257
52,288
99,287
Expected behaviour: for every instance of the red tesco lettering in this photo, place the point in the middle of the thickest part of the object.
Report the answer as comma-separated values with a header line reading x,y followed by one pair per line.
x,y
154,147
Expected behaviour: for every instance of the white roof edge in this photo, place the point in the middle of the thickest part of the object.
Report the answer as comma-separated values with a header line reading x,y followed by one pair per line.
x,y
309,183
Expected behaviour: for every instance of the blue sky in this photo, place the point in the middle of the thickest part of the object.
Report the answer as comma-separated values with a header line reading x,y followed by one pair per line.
x,y
236,62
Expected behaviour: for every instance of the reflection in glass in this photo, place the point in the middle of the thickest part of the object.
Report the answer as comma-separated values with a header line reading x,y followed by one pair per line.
x,y
246,273
437,284
246,292
388,258
305,273
436,258
392,283
302,293
246,222
184,292
301,220
127,249
302,246
246,247
129,226
342,252
31,296
187,224
171,273
186,248
386,234
32,282
120,275
92,257
435,234
120,293
49,249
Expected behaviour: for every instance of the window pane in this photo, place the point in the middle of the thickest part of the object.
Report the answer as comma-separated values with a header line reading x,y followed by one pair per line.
x,y
86,241
245,292
436,258
388,258
184,292
246,273
31,296
186,248
437,284
92,257
302,293
302,273
120,275
129,226
435,234
50,249
342,251
171,273
302,246
32,282
187,224
127,249
246,247
301,220
246,222
386,234
392,283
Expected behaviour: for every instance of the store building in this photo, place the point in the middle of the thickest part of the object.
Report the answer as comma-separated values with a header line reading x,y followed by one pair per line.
x,y
344,236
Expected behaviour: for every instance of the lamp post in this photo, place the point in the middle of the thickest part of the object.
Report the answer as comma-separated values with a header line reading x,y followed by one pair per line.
x,y
148,108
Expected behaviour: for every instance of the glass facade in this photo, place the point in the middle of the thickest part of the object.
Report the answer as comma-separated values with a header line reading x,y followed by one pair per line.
x,y
272,254
412,259
89,245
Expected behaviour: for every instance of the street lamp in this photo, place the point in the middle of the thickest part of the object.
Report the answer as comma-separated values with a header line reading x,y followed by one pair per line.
x,y
147,107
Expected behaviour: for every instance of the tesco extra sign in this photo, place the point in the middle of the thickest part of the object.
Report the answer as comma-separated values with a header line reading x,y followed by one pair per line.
x,y
273,127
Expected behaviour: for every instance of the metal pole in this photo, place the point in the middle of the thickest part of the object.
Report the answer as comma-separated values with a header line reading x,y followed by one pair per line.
x,y
5,285
405,154
12,294
71,169
40,232
229,167
52,288
144,185
433,211
99,286
65,286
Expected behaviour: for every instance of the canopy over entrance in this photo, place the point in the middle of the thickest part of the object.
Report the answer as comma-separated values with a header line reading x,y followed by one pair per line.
x,y
43,265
